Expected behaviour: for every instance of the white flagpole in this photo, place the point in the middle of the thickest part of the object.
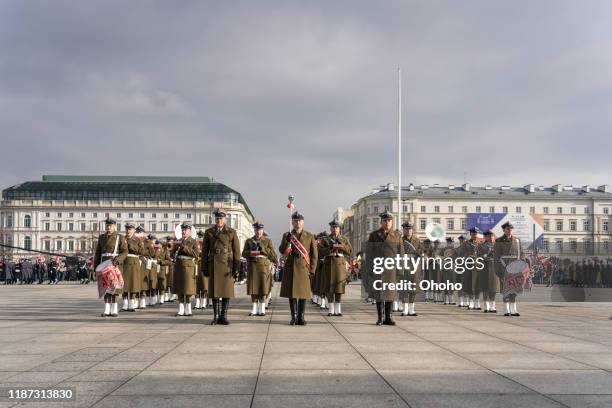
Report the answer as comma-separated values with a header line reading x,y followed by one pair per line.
x,y
399,147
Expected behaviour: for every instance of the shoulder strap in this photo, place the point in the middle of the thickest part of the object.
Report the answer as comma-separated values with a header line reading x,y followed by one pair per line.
x,y
116,245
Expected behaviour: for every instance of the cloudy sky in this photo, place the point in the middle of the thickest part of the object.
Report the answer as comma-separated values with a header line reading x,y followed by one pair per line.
x,y
273,98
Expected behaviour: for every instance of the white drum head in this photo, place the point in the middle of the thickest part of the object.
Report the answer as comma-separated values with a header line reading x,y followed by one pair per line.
x,y
517,266
104,265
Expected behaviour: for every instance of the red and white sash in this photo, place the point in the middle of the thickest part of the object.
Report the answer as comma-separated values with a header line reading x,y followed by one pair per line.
x,y
298,245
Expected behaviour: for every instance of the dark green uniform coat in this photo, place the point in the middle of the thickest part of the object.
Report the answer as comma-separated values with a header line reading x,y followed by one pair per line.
x,y
151,265
468,250
186,268
106,246
505,250
381,244
163,260
296,272
261,256
412,248
132,265
334,265
489,281
220,260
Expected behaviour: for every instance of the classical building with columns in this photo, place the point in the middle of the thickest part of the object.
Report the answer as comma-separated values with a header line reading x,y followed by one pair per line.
x,y
65,214
572,217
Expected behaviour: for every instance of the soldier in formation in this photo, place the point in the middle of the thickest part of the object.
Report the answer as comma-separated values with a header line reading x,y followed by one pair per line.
x,y
261,260
334,249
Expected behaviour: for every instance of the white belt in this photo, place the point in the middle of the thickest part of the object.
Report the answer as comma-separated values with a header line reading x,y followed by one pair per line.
x,y
335,255
133,256
259,256
154,261
109,254
186,258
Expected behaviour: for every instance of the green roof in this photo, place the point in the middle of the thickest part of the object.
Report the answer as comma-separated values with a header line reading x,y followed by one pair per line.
x,y
127,179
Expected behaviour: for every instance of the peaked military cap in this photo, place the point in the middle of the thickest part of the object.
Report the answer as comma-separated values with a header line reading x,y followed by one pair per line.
x,y
185,225
386,215
219,213
475,229
129,225
297,216
507,225
407,225
140,228
461,238
151,237
110,221
258,225
449,239
488,233
334,223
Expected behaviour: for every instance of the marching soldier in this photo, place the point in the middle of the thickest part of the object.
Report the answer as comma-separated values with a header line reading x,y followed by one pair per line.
x,y
163,258
201,281
170,293
220,264
507,248
462,295
261,257
468,250
488,277
144,273
412,248
300,247
185,255
427,271
449,275
111,245
334,250
385,242
152,267
131,269
319,275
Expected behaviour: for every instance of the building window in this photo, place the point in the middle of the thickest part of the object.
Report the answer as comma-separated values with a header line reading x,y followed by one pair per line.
x,y
573,210
94,226
436,208
559,225
546,245
106,215
59,226
95,215
505,210
478,209
47,214
606,246
9,221
47,226
572,225
531,210
59,215
586,210
83,245
118,215
559,210
27,243
546,225
71,245
165,227
83,226
153,227
386,208
47,245
58,245
492,209
189,216
606,210
463,224
573,244
545,210
153,215
165,215
70,215
423,223
559,245
375,209
368,225
604,225
423,208
27,221
450,209
177,215
82,215
71,226
404,208
518,210
586,225
464,209
130,215
436,220
141,215
450,225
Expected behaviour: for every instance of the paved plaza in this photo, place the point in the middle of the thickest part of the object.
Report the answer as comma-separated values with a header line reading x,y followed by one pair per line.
x,y
554,355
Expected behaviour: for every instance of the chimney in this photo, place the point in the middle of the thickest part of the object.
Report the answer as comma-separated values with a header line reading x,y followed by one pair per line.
x,y
530,188
466,187
586,188
604,188
556,187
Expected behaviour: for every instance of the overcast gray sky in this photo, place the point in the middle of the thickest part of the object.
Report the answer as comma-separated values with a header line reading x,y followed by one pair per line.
x,y
278,97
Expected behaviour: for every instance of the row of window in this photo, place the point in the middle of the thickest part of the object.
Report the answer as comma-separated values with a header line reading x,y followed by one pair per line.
x,y
81,195
492,209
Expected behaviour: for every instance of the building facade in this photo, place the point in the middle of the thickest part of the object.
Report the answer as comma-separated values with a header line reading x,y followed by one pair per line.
x,y
65,214
574,218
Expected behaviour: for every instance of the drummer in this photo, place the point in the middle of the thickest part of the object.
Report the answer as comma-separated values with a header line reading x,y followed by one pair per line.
x,y
506,249
131,269
113,246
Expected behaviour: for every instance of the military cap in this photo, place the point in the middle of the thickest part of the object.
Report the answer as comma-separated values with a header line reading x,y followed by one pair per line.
x,y
407,225
507,225
475,229
297,216
152,237
461,238
219,213
185,225
140,228
449,239
110,221
169,238
487,233
386,215
200,233
258,225
334,223
427,240
129,225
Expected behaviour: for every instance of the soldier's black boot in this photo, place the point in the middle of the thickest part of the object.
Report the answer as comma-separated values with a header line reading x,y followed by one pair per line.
x,y
292,308
388,317
301,303
215,311
224,307
379,311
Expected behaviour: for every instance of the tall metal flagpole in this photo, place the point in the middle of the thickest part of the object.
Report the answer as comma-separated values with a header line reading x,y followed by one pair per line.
x,y
399,147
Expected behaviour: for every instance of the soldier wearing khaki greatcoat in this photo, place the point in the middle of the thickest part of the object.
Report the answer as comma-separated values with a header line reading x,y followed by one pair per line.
x,y
261,258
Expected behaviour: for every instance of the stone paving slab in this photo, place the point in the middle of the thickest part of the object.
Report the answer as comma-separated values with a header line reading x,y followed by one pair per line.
x,y
445,357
